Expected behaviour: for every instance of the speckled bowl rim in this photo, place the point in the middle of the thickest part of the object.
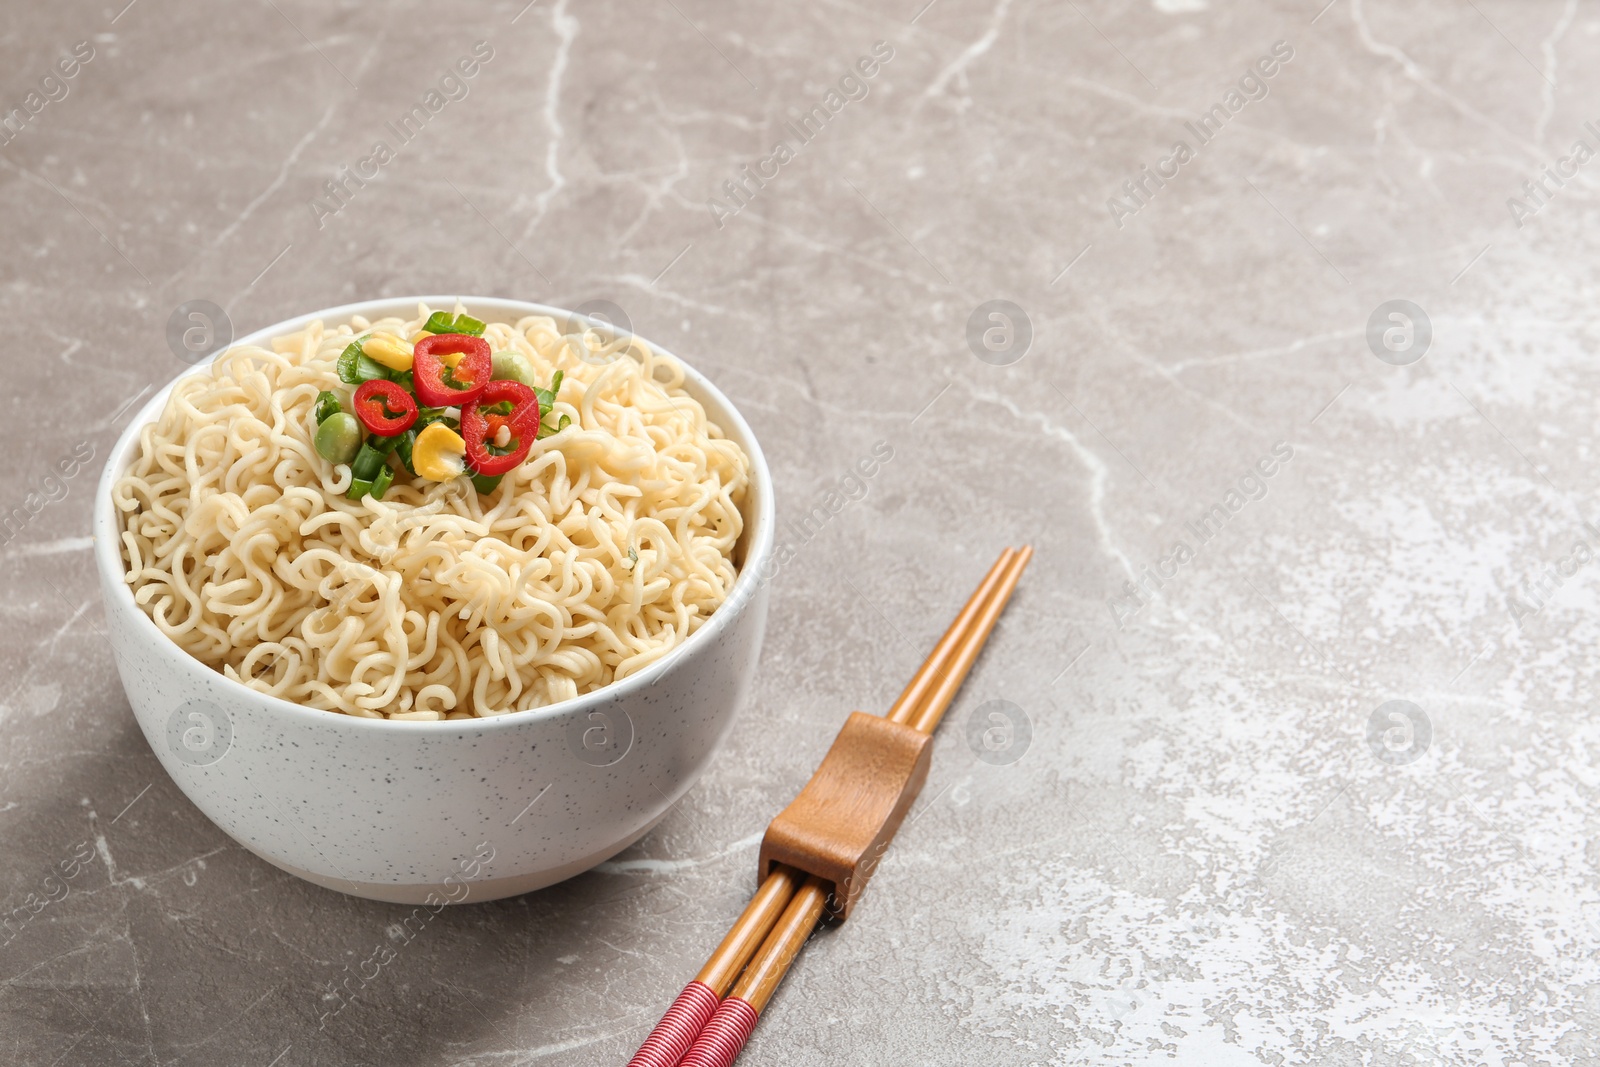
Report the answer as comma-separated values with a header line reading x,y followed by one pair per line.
x,y
757,537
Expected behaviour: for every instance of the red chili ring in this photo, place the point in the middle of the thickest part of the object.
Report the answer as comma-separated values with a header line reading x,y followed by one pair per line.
x,y
479,427
429,374
384,408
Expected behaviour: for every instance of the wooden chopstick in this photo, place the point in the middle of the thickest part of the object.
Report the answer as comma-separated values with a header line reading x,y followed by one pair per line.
x,y
938,699
720,1042
750,931
697,1004
760,979
912,698
718,1036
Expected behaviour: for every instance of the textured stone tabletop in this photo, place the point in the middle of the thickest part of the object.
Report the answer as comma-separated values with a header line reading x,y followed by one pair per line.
x,y
1287,750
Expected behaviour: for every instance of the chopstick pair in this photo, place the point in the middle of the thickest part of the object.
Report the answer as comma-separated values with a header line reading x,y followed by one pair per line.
x,y
852,807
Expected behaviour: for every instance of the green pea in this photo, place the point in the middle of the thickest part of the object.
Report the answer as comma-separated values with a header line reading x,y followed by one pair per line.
x,y
513,366
339,438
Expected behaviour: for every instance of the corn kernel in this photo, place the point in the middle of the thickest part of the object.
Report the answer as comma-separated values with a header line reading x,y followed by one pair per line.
x,y
391,351
439,453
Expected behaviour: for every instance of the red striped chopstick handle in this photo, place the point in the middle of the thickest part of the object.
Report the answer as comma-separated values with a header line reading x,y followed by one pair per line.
x,y
719,1043
678,1028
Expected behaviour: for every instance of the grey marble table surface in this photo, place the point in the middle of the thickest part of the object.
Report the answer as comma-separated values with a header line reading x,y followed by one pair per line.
x,y
1292,385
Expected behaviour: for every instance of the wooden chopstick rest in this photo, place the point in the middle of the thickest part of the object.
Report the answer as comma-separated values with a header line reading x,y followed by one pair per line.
x,y
844,818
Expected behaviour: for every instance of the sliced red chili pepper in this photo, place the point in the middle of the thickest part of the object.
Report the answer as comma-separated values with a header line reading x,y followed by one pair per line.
x,y
439,386
480,427
384,408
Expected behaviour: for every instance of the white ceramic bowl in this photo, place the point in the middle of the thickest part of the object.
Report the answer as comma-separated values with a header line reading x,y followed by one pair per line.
x,y
418,812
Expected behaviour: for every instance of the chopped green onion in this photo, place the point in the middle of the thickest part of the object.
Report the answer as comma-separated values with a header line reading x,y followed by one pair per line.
x,y
346,367
327,404
402,448
442,322
380,484
487,484
547,397
548,429
355,368
368,369
373,475
547,400
365,466
369,461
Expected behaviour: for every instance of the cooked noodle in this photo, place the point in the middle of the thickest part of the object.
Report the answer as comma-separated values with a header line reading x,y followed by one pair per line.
x,y
601,552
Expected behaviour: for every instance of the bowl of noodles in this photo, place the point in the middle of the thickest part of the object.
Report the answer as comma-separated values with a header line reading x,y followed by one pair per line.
x,y
428,600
